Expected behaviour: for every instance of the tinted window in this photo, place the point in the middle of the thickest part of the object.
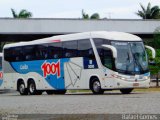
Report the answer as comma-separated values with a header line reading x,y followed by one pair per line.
x,y
104,53
14,54
99,41
18,54
41,52
8,54
98,44
70,49
55,50
26,53
29,53
85,48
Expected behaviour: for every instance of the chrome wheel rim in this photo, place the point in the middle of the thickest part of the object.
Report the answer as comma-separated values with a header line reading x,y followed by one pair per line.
x,y
32,88
21,88
96,86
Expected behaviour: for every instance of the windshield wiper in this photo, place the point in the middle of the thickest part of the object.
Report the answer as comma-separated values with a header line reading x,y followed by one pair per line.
x,y
127,63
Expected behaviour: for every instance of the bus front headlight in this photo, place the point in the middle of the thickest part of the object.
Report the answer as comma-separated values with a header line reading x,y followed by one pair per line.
x,y
122,78
146,77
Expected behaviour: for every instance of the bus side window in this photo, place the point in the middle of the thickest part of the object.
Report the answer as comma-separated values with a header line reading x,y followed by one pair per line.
x,y
29,53
70,49
55,50
85,49
17,54
105,54
8,54
41,52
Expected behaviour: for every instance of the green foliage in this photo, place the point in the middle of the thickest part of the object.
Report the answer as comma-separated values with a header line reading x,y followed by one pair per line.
x,y
1,45
149,12
155,43
84,15
154,69
22,14
93,16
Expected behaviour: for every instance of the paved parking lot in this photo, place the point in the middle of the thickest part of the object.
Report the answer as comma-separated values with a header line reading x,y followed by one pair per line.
x,y
86,103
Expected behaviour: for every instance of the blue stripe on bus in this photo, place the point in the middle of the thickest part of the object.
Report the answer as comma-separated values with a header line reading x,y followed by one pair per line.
x,y
1,81
1,76
51,70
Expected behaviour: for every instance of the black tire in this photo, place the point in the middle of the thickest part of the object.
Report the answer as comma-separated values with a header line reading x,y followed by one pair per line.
x,y
39,92
57,92
96,87
126,91
21,88
60,92
32,88
50,92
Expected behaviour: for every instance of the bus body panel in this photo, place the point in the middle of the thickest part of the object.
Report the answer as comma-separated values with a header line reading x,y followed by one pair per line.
x,y
72,74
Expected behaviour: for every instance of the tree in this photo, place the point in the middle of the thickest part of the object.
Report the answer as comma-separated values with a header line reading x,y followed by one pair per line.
x,y
149,12
93,16
84,15
155,43
22,14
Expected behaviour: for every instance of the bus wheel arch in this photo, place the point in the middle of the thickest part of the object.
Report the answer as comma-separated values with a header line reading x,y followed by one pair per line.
x,y
95,85
21,87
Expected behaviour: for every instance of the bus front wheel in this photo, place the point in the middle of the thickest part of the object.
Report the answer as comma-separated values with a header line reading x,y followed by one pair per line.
x,y
96,87
21,88
126,91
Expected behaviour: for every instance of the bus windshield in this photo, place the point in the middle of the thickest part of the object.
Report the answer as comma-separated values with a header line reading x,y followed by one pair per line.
x,y
131,57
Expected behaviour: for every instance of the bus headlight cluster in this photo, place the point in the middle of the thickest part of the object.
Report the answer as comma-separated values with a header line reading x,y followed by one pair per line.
x,y
146,77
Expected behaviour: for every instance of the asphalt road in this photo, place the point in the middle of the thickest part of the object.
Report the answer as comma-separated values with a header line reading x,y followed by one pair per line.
x,y
109,103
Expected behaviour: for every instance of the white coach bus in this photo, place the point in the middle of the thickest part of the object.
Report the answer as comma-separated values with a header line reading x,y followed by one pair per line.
x,y
97,61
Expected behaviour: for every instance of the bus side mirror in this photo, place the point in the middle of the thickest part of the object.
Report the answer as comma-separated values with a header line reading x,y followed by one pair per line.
x,y
152,63
114,50
153,51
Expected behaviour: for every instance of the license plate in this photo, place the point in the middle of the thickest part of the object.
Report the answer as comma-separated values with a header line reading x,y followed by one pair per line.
x,y
135,84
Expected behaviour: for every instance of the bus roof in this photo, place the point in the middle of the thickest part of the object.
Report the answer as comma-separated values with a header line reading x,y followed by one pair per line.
x,y
118,36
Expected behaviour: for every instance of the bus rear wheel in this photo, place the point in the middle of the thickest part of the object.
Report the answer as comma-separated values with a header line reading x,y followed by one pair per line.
x,y
21,88
126,91
32,88
96,87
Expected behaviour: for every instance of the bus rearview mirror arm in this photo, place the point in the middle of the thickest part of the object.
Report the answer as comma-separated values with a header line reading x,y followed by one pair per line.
x,y
114,50
153,51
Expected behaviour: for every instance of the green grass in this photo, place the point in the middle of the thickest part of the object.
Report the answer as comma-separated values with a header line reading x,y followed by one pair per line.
x,y
78,91
152,89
